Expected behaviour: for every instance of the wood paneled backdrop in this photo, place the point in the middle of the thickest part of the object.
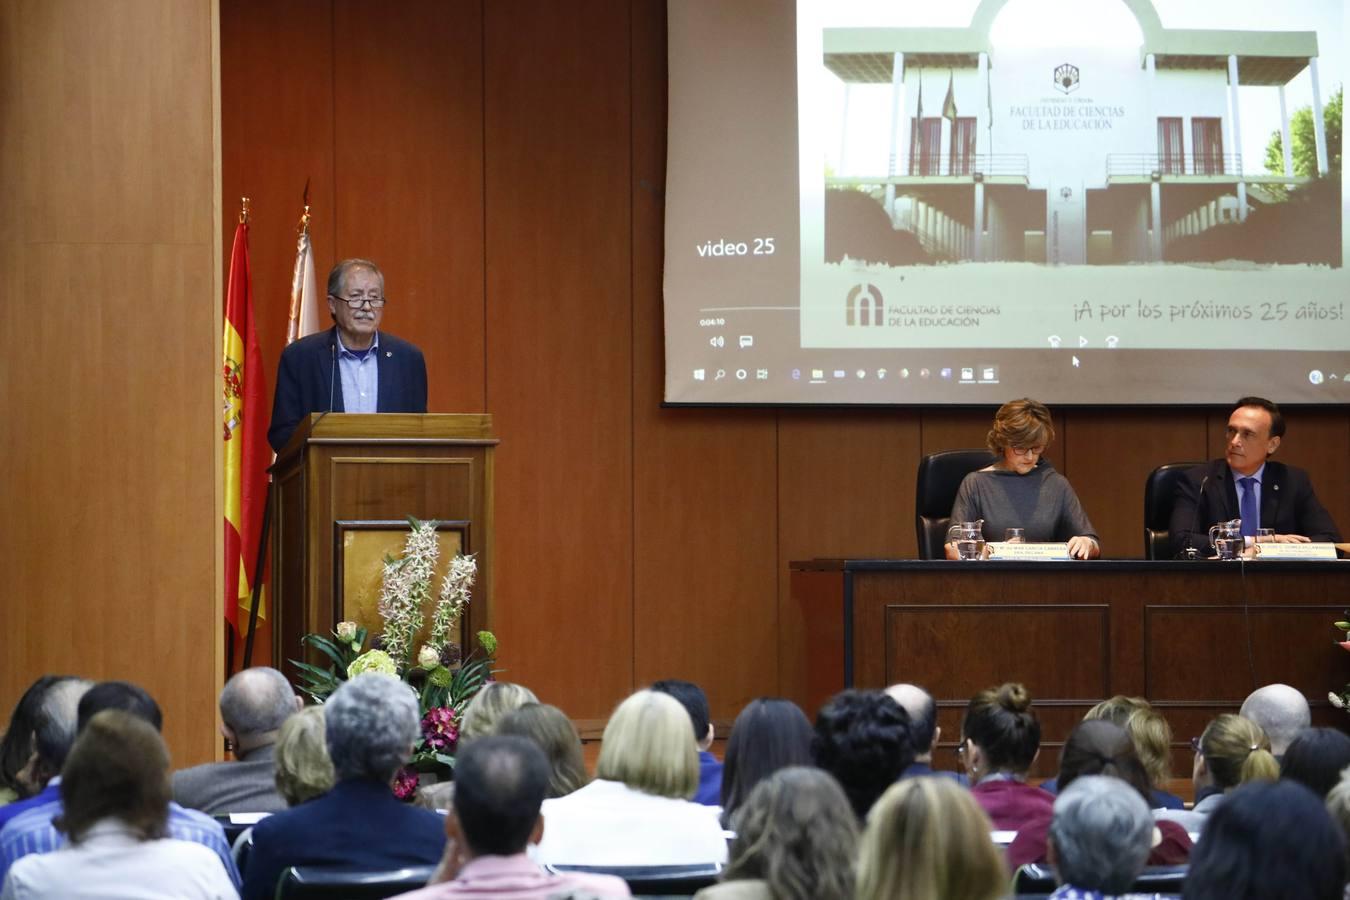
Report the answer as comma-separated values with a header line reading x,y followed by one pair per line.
x,y
504,163
110,523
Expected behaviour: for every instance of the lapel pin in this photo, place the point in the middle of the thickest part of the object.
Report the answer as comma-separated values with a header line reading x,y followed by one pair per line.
x,y
389,354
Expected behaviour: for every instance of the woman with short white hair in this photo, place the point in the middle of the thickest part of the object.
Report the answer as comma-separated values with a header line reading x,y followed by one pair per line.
x,y
637,812
1100,838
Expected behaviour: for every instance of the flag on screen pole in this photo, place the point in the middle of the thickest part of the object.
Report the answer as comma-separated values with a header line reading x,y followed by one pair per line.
x,y
304,310
918,116
245,432
949,104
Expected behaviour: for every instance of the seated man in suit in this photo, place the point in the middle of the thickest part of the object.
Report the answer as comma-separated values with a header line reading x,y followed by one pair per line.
x,y
371,724
500,783
352,367
253,706
1247,485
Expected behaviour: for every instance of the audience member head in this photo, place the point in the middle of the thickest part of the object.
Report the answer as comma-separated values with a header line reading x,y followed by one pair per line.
x,y
1117,709
57,722
253,705
695,702
649,746
862,739
927,839
500,783
553,733
1097,747
796,832
489,705
1271,841
370,725
1000,732
118,768
1152,738
1233,750
1020,423
1280,710
301,765
16,748
1101,835
1338,804
921,708
123,695
1316,759
769,734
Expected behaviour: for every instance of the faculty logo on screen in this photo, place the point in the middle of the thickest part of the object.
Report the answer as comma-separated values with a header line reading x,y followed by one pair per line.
x,y
865,305
1066,78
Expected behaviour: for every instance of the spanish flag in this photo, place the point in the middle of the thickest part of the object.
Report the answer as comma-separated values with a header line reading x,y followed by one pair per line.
x,y
245,435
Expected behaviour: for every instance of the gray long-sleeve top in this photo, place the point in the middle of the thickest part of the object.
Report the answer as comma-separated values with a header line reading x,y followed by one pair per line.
x,y
1040,501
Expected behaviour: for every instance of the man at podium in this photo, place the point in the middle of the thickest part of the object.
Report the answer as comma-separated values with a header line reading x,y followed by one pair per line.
x,y
353,366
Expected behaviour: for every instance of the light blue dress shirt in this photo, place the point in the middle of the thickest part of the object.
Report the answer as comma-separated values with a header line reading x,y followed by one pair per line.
x,y
360,375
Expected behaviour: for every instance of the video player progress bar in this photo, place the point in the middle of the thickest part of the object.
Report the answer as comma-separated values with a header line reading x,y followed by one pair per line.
x,y
744,308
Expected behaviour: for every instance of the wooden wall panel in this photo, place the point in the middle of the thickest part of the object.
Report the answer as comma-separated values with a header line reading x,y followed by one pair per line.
x,y
112,525
705,563
558,338
409,170
1108,455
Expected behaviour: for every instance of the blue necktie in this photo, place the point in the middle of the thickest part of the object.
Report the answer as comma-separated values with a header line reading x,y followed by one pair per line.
x,y
1251,514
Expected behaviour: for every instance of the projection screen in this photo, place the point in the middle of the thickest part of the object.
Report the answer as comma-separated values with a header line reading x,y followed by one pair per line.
x,y
1083,201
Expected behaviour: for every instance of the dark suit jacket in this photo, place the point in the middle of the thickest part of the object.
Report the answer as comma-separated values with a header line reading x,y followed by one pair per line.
x,y
357,825
245,785
1288,504
308,376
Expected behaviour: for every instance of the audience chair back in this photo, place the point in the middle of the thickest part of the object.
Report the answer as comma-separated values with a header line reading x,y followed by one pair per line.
x,y
325,883
1159,492
940,474
1037,878
656,881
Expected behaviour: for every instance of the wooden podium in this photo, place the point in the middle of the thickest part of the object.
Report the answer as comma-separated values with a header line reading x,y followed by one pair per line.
x,y
343,489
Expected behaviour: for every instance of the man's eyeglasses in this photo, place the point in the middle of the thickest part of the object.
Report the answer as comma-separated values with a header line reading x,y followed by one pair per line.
x,y
358,302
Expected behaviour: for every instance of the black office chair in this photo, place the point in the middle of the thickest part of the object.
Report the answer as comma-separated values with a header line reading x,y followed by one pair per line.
x,y
940,475
326,883
1037,878
1159,492
656,881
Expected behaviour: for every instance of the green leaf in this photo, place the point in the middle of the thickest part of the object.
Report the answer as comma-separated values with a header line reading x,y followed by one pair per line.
x,y
443,759
1343,626
328,649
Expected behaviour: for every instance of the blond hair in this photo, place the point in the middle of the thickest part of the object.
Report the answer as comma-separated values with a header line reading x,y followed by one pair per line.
x,y
490,705
1237,751
927,838
1020,423
1152,739
302,769
649,746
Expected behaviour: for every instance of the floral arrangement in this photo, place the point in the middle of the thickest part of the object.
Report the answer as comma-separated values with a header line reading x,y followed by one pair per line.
x,y
1341,699
443,678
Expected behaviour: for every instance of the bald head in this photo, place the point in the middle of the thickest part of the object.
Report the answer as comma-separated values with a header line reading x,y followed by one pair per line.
x,y
1281,711
254,703
922,711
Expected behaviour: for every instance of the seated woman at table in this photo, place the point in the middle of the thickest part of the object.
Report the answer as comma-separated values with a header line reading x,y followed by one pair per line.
x,y
1021,489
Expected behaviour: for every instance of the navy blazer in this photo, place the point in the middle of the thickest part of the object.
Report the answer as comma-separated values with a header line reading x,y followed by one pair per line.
x,y
308,377
1288,504
359,824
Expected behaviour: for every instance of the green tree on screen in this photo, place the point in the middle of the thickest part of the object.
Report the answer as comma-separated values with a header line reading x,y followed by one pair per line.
x,y
1305,142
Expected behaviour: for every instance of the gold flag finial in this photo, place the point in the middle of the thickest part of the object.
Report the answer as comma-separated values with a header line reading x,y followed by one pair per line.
x,y
245,211
303,227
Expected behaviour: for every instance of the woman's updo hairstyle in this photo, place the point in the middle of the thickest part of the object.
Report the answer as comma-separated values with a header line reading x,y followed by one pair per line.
x,y
1001,722
1020,423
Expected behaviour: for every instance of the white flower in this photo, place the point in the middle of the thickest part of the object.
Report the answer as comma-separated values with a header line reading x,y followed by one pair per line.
x,y
1336,700
428,657
346,632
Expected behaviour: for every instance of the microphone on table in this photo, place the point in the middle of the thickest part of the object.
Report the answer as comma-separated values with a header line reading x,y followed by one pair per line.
x,y
1189,551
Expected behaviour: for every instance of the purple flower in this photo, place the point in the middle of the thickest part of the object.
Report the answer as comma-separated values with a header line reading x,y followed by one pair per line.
x,y
405,783
439,728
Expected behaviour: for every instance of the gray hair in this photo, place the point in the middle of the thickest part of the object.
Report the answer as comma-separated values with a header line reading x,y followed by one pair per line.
x,y
1103,833
370,723
57,721
1281,711
256,701
337,276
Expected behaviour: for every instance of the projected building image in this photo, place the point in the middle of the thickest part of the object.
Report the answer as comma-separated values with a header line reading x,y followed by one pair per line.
x,y
1122,147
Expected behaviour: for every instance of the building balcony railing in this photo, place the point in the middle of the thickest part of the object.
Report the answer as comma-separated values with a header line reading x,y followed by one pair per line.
x,y
1150,164
987,164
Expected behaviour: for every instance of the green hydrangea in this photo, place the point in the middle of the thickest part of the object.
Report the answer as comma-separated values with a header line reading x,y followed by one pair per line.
x,y
441,677
488,641
372,661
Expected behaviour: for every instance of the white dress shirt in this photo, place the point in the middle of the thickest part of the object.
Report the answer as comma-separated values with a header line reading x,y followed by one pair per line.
x,y
112,862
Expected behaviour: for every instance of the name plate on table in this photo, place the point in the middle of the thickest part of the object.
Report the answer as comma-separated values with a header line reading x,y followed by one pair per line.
x,y
1295,551
1004,550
